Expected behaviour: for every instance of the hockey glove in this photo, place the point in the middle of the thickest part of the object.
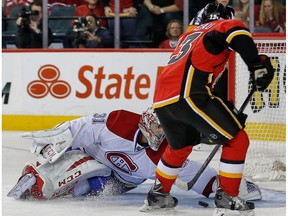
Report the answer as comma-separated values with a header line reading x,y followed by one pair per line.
x,y
263,73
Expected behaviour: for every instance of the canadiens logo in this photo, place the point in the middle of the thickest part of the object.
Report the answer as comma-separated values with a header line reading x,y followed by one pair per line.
x,y
122,162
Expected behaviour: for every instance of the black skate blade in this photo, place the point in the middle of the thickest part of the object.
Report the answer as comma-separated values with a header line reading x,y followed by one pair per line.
x,y
250,204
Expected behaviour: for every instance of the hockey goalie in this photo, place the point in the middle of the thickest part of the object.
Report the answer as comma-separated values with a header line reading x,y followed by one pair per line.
x,y
108,153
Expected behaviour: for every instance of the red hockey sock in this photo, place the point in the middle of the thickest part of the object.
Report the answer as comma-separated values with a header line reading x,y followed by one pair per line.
x,y
232,163
169,166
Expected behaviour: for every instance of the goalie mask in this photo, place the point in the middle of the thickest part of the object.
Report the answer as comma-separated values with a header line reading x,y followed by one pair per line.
x,y
150,127
215,12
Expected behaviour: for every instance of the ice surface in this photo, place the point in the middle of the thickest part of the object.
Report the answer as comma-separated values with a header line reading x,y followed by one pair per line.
x,y
15,154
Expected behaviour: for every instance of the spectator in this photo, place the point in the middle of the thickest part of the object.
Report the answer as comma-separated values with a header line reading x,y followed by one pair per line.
x,y
272,16
128,8
65,3
174,30
61,3
242,11
91,35
13,3
92,7
156,16
29,34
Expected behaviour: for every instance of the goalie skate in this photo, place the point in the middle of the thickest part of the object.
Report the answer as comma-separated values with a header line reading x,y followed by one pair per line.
x,y
22,189
249,191
227,205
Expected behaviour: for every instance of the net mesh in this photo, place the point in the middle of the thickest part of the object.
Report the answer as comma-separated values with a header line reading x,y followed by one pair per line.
x,y
266,123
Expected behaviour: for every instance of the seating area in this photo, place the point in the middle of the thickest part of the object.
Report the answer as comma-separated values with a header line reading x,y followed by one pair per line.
x,y
61,16
60,21
9,28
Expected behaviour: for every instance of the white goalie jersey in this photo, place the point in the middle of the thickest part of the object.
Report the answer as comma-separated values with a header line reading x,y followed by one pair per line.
x,y
111,138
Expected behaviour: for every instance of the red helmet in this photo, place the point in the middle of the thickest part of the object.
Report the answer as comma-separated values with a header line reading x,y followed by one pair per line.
x,y
150,127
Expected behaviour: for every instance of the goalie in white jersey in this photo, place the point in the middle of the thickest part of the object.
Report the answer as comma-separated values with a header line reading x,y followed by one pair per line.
x,y
107,153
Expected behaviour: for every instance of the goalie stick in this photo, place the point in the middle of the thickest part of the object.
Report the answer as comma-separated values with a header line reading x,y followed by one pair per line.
x,y
186,186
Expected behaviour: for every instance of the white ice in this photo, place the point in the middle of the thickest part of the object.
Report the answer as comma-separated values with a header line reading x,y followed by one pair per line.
x,y
15,154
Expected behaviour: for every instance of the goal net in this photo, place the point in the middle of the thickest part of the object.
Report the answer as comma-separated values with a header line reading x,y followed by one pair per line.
x,y
266,122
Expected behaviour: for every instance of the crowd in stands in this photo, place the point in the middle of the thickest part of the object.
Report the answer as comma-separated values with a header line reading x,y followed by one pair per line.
x,y
143,23
269,15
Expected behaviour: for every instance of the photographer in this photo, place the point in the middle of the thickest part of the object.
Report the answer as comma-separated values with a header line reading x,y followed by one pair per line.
x,y
90,34
29,22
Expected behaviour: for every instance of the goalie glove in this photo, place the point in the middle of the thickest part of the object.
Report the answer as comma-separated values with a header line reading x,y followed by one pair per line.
x,y
49,145
263,73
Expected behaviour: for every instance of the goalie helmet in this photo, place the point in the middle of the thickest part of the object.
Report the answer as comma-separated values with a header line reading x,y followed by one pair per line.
x,y
150,127
214,12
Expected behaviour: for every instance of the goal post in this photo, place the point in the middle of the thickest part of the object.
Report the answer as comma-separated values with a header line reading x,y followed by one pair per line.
x,y
266,122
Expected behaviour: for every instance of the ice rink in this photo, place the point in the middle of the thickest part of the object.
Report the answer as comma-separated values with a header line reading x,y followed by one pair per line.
x,y
15,154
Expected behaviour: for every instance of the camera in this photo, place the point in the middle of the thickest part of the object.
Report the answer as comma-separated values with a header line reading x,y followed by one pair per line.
x,y
80,25
25,14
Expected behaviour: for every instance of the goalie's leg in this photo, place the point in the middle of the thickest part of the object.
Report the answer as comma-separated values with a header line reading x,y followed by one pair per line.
x,y
208,182
22,189
59,178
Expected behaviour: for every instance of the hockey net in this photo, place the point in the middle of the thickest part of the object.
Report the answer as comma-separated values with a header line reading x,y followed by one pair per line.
x,y
266,122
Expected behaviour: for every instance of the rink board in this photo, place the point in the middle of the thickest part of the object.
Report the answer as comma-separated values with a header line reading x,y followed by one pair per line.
x,y
42,88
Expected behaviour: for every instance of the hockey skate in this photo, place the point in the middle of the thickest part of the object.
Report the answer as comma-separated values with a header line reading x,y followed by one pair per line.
x,y
22,189
156,199
227,205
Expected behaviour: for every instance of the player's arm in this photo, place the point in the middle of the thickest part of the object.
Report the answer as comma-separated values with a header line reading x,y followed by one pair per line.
x,y
239,39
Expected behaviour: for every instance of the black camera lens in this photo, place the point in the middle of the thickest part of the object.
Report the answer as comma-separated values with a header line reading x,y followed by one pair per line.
x,y
35,13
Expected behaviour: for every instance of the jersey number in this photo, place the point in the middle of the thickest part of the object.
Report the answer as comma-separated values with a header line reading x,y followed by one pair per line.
x,y
184,47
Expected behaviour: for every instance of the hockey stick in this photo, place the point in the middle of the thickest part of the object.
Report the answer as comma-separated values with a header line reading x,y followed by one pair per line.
x,y
188,185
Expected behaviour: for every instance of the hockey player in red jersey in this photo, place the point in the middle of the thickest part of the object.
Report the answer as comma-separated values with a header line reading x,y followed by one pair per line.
x,y
108,153
186,107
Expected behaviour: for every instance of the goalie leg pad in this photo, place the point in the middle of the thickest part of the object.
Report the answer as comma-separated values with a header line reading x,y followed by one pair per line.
x,y
58,179
189,170
249,191
23,186
72,167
